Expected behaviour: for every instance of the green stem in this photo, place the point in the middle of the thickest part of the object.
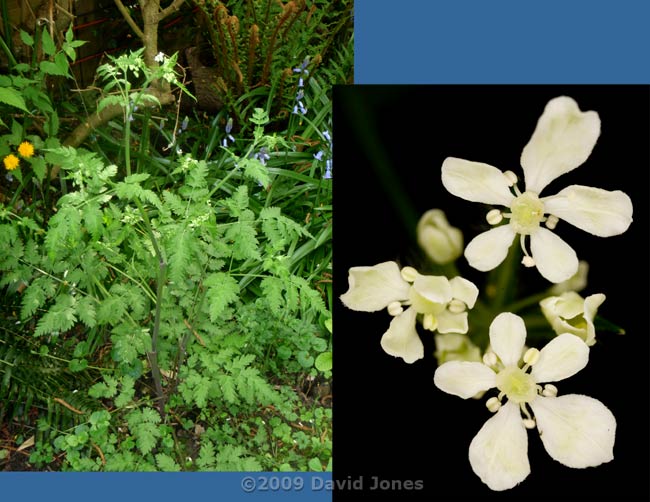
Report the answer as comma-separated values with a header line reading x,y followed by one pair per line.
x,y
162,269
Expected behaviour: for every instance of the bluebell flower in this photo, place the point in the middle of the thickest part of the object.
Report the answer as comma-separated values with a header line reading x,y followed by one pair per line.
x,y
228,135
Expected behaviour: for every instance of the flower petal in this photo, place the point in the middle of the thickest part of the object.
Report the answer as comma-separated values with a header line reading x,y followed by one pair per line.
x,y
594,210
373,288
507,337
401,339
464,290
554,258
476,182
464,379
449,322
577,431
592,303
487,250
560,358
499,452
432,288
563,139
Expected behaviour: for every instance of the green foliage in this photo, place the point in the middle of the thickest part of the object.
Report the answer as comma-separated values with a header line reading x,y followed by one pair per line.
x,y
176,309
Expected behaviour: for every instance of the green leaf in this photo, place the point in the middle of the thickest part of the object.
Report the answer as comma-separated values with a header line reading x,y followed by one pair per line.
x,y
166,463
315,464
26,38
10,96
39,167
254,169
324,361
49,47
222,290
76,365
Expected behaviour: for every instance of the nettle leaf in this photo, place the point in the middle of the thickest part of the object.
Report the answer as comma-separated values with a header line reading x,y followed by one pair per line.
x,y
49,47
26,38
222,291
60,317
12,97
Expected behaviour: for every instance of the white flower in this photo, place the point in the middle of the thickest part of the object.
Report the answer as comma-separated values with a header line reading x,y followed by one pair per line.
x,y
570,313
563,139
159,58
455,347
576,430
440,301
439,240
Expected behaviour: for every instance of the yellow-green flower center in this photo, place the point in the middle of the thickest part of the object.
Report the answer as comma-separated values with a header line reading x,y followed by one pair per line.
x,y
518,385
527,213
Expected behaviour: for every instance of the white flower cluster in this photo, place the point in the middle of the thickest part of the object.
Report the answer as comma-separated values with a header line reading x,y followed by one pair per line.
x,y
576,430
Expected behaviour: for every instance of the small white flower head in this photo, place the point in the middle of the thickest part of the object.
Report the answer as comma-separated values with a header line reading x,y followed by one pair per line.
x,y
406,294
441,242
563,140
571,313
576,430
159,58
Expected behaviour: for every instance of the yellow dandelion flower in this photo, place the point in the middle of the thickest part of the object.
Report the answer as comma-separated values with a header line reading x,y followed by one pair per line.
x,y
11,162
26,149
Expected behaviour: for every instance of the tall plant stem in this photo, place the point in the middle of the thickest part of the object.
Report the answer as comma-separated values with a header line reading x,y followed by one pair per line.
x,y
162,270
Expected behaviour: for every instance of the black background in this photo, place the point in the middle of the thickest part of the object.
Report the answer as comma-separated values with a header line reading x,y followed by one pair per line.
x,y
390,421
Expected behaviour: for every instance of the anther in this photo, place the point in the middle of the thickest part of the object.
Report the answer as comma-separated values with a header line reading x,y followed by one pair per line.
x,y
510,177
489,359
528,261
494,217
395,308
493,404
529,423
551,221
409,274
456,306
550,390
531,356
429,322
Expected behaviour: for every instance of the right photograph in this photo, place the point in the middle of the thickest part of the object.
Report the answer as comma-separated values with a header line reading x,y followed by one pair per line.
x,y
491,281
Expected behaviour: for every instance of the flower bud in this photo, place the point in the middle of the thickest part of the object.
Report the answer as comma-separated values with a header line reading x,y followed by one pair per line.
x,y
440,241
570,313
455,347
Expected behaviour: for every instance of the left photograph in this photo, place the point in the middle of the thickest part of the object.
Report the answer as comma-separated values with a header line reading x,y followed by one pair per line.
x,y
166,233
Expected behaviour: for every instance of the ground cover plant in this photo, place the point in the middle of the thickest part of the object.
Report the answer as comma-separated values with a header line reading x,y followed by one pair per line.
x,y
166,270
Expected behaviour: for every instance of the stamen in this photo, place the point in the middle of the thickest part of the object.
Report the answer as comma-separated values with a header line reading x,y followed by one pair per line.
x,y
494,217
490,359
409,274
456,306
551,221
531,356
550,390
395,308
527,260
493,404
529,422
510,177
429,322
